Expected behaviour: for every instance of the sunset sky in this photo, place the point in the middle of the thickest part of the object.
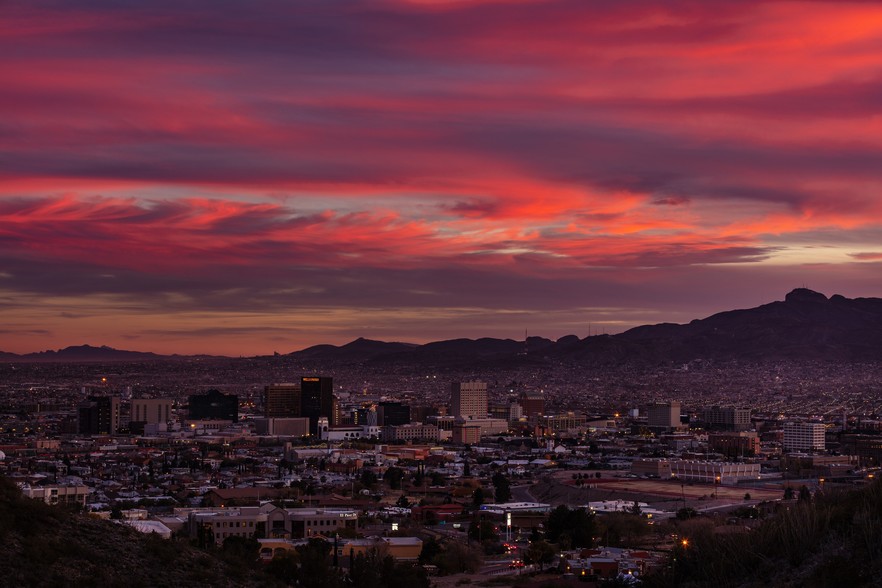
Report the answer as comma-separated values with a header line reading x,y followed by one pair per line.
x,y
246,177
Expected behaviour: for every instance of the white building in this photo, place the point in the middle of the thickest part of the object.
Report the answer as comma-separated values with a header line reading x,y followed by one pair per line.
x,y
714,472
804,437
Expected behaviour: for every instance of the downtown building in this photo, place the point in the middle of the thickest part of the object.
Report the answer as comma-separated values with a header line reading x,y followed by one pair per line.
x,y
214,406
663,415
725,418
804,437
317,400
468,400
281,401
98,415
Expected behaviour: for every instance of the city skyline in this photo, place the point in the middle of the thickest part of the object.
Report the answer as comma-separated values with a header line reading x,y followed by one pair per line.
x,y
184,179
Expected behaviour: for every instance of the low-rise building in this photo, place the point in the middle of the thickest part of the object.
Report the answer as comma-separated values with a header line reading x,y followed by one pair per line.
x,y
714,471
57,494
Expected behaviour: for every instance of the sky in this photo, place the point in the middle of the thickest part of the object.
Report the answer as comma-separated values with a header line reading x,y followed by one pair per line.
x,y
239,178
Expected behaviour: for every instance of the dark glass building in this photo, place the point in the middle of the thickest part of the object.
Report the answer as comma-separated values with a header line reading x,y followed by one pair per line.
x,y
317,400
214,406
98,415
393,413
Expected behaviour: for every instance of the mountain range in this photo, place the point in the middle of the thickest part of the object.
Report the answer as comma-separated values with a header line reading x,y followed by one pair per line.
x,y
805,325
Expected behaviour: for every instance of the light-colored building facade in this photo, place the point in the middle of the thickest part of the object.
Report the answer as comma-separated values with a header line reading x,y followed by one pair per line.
x,y
466,433
712,472
804,437
151,410
57,494
468,399
411,432
217,524
293,427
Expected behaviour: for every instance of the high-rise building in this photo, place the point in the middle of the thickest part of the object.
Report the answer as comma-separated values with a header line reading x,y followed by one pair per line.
x,y
804,437
468,399
726,418
532,403
317,400
214,405
98,415
392,413
281,401
664,415
151,410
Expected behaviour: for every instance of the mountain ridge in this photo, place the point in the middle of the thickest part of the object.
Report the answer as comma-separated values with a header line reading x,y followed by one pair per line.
x,y
805,325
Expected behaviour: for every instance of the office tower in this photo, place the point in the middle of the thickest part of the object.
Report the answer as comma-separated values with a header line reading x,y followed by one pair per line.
x,y
281,401
392,413
664,415
468,399
804,437
532,403
726,418
317,400
151,410
98,415
214,406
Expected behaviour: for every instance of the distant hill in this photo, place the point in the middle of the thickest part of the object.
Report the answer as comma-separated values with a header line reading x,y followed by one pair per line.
x,y
359,350
81,353
805,325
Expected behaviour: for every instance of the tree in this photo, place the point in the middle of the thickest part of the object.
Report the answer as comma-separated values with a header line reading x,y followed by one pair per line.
x,y
483,531
577,525
622,529
431,548
805,494
466,470
788,493
458,558
478,497
368,478
240,552
284,567
502,488
686,513
540,552
366,570
393,477
315,566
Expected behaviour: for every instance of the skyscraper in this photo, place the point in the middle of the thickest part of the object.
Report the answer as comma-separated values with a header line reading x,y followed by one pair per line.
x,y
468,399
214,405
804,437
317,400
98,415
664,415
281,401
532,403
